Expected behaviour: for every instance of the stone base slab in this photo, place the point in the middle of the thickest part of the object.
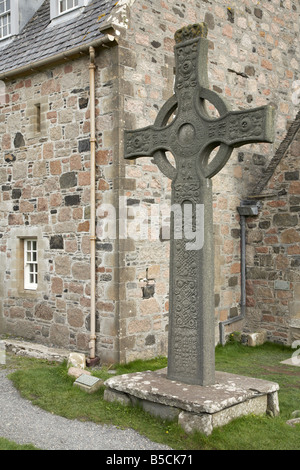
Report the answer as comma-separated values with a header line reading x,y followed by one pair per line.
x,y
200,408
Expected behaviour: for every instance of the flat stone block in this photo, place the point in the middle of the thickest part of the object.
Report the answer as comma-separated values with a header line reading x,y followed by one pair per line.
x,y
88,383
77,372
2,353
292,361
39,351
191,422
168,413
76,360
198,407
293,422
258,338
119,397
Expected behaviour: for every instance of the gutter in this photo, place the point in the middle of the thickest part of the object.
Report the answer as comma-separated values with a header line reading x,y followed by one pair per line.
x,y
246,209
36,66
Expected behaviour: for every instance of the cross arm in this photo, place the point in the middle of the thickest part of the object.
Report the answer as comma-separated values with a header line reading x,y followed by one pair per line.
x,y
144,142
237,128
234,129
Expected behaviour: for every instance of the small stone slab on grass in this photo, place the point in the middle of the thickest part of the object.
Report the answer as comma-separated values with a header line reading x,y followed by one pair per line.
x,y
77,372
88,383
293,361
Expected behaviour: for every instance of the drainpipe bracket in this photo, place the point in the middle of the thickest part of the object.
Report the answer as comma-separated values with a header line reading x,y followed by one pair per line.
x,y
248,208
91,362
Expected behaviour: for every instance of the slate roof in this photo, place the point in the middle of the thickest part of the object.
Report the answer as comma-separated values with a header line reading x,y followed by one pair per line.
x,y
39,40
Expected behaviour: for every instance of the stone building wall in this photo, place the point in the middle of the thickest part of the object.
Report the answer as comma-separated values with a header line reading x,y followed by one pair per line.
x,y
45,179
273,254
45,182
253,60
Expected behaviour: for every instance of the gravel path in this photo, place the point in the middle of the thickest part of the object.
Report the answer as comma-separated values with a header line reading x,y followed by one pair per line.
x,y
24,423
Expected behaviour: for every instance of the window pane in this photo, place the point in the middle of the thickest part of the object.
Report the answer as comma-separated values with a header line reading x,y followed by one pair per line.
x,y
30,264
65,5
7,5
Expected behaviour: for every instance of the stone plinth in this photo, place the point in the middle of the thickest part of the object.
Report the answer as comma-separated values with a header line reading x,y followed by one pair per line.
x,y
200,408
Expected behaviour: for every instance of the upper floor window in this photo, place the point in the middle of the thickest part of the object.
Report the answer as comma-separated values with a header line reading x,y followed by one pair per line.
x,y
14,15
65,5
5,18
63,10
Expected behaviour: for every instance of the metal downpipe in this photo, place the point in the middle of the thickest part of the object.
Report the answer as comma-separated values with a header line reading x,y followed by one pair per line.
x,y
92,67
247,208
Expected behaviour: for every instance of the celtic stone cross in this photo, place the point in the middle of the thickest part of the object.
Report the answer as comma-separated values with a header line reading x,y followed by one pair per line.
x,y
191,137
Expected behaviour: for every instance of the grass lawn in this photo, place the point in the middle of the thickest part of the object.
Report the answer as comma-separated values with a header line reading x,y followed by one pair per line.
x,y
48,386
5,444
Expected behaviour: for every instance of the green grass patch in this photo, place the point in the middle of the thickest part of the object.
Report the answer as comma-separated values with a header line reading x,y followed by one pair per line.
x,y
5,444
48,386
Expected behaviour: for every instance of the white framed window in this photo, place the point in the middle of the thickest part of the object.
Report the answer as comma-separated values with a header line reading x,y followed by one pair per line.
x,y
30,264
5,19
62,10
65,5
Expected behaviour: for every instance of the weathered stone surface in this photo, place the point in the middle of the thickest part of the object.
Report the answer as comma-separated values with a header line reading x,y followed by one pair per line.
x,y
115,396
81,271
293,422
19,140
77,372
88,383
292,361
68,180
76,360
191,422
84,145
228,390
44,311
205,423
198,407
39,351
285,220
258,338
73,200
59,334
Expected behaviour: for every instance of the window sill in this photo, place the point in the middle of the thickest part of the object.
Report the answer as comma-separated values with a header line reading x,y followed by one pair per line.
x,y
65,16
7,40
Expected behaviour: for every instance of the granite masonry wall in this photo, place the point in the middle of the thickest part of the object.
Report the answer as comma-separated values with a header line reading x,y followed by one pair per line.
x,y
45,194
253,60
273,254
45,178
